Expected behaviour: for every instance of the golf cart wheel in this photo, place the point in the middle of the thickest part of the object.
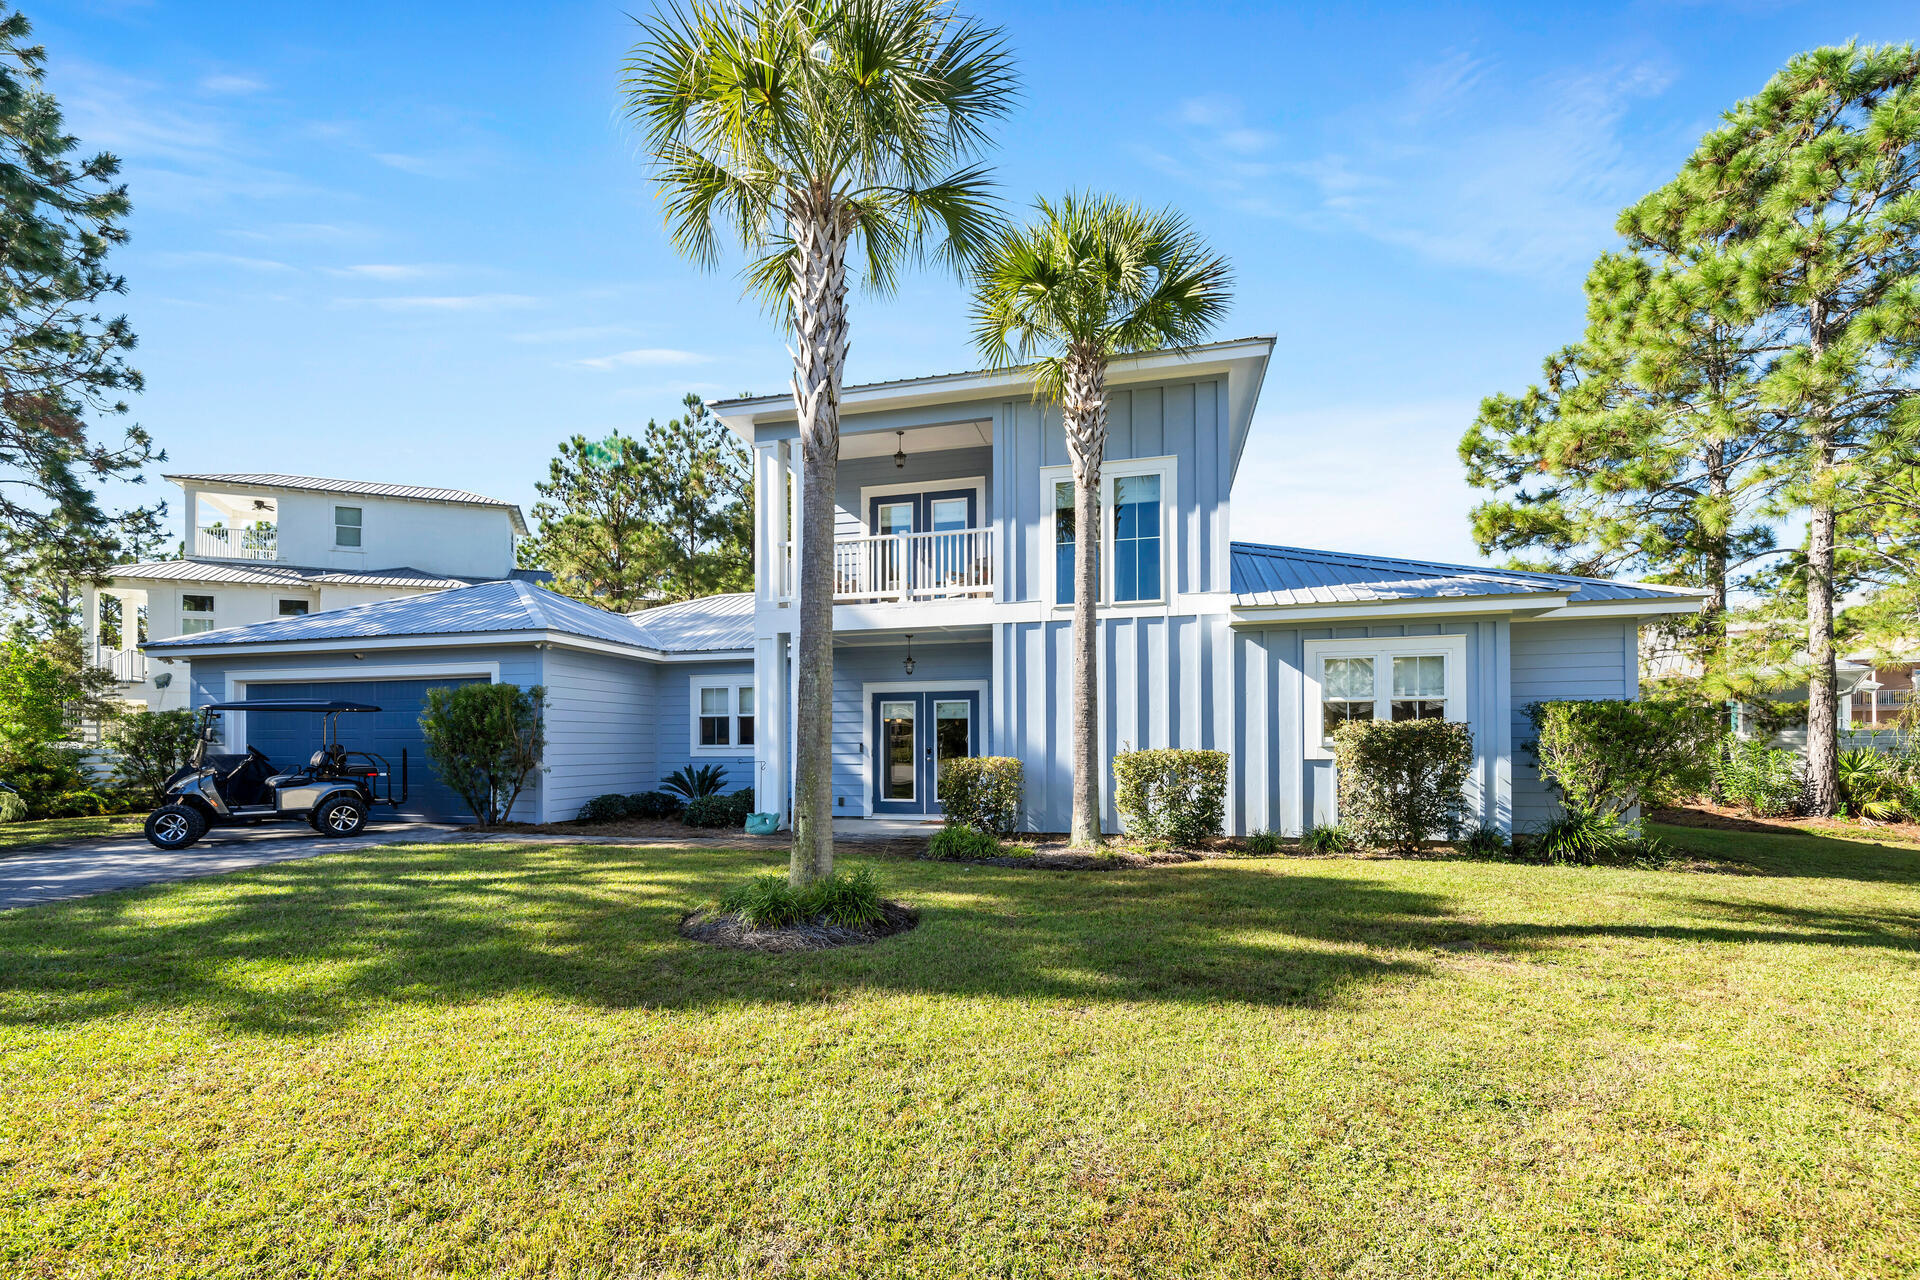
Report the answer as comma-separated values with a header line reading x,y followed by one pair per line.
x,y
175,826
342,816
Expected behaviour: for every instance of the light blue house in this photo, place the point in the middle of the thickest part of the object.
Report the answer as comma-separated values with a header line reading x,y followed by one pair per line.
x,y
952,614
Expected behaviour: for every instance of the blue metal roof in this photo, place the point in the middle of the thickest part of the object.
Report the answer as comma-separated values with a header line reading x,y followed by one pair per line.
x,y
1268,576
696,626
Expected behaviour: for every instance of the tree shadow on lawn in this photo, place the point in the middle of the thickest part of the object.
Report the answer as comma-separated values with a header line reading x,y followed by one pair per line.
x,y
311,947
1783,852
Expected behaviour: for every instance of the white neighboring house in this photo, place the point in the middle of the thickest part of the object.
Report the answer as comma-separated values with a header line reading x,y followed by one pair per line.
x,y
261,546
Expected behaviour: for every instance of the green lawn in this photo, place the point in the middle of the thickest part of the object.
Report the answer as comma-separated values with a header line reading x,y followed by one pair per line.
x,y
16,837
498,1060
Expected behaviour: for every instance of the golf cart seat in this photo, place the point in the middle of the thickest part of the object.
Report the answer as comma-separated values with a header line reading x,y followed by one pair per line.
x,y
327,762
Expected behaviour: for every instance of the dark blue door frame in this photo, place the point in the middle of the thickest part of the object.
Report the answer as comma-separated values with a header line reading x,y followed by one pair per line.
x,y
923,507
905,756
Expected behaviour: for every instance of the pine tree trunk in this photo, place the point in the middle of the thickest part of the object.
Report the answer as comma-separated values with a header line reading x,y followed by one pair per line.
x,y
1823,698
1085,417
819,299
1712,622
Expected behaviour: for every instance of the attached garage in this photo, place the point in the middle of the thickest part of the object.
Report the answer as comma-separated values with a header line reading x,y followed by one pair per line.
x,y
288,739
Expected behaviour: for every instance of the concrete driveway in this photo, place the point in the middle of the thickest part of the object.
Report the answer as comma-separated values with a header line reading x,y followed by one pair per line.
x,y
78,870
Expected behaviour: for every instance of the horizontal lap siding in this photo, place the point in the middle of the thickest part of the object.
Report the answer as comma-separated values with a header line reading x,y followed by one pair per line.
x,y
854,667
1555,660
600,736
926,470
673,728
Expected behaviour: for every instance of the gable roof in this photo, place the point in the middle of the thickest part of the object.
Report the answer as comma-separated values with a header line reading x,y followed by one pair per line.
x,y
365,488
713,624
1273,577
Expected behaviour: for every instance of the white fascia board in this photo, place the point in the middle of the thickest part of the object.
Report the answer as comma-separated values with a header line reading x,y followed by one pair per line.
x,y
555,639
1629,608
1552,603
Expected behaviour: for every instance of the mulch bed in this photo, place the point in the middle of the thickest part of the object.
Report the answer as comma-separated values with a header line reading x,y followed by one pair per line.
x,y
1715,817
726,930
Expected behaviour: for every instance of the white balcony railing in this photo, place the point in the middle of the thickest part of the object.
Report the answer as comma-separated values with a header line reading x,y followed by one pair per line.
x,y
129,666
903,567
236,544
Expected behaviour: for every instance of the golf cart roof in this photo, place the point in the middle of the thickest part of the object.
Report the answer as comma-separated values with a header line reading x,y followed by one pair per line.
x,y
287,704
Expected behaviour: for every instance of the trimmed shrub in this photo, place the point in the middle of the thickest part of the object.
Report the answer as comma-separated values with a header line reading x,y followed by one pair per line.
x,y
607,808
849,899
719,811
1172,795
1611,756
962,844
1265,843
1402,781
983,792
1486,842
1763,780
695,782
1321,838
485,741
654,804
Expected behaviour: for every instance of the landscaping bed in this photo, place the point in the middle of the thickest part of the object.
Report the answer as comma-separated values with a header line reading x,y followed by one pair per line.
x,y
725,929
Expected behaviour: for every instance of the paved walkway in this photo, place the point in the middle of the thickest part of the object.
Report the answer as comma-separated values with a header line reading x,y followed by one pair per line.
x,y
122,862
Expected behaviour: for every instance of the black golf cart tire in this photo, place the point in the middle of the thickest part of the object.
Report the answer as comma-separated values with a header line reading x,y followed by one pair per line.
x,y
326,810
168,819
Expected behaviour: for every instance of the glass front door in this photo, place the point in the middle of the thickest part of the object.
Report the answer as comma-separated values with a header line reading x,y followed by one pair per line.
x,y
911,736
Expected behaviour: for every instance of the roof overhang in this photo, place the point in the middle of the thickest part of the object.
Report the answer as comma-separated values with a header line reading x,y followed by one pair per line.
x,y
1527,606
184,479
171,649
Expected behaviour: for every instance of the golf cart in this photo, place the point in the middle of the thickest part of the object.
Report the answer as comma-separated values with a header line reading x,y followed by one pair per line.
x,y
333,794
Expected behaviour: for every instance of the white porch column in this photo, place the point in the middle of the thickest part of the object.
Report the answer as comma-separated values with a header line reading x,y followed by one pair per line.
x,y
773,727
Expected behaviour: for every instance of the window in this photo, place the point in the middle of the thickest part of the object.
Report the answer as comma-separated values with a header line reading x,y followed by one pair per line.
x,y
293,608
1135,556
346,526
1384,678
196,615
722,717
894,517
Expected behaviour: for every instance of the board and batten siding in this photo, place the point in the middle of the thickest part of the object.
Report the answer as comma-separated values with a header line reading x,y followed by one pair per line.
x,y
673,723
1586,659
1284,791
1184,420
598,706
856,666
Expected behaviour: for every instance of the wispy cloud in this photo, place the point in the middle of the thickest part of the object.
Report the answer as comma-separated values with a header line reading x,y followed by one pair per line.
x,y
232,84
210,258
644,357
576,333
446,302
1459,164
387,270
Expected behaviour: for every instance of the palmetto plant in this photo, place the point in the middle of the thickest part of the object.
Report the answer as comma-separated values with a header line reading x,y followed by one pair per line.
x,y
1090,279
809,132
695,781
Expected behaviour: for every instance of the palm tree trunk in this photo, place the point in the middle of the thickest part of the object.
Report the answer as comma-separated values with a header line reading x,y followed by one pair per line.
x,y
1084,411
819,299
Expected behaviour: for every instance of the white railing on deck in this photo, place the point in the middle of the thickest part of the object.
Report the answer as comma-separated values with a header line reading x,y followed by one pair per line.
x,y
901,567
129,666
235,544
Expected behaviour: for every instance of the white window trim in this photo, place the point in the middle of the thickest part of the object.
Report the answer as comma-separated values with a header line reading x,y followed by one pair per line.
x,y
733,685
338,545
1167,467
1382,649
870,687
868,492
213,616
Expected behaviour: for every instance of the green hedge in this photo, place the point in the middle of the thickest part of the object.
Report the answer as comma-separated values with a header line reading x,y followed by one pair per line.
x,y
1176,796
1609,756
1402,782
983,793
730,810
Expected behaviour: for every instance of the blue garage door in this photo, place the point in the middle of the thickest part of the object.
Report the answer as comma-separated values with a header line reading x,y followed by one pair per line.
x,y
288,738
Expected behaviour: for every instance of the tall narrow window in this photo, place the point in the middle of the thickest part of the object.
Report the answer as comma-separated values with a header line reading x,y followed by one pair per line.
x,y
1063,542
1136,538
1420,688
346,526
196,615
1346,692
715,722
745,722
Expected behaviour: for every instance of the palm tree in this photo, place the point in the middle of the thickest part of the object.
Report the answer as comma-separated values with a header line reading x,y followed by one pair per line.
x,y
1091,279
810,130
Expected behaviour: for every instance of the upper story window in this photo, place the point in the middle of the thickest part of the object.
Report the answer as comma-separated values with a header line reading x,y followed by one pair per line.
x,y
293,608
346,526
723,721
196,614
1135,555
1383,678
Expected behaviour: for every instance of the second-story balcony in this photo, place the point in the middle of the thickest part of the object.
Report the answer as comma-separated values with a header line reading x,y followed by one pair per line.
x,y
128,666
903,568
253,542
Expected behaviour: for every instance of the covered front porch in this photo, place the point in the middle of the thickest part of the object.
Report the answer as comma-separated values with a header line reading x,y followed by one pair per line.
x,y
904,702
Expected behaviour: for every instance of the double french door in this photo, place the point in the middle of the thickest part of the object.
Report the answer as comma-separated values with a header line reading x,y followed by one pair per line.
x,y
911,734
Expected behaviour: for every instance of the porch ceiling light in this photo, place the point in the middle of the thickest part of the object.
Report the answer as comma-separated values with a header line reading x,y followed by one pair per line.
x,y
908,664
900,454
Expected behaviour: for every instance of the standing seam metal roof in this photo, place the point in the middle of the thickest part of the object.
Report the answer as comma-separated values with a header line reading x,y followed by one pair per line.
x,y
1273,576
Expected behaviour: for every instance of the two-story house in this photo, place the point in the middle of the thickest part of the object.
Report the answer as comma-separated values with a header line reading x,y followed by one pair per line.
x,y
262,546
952,615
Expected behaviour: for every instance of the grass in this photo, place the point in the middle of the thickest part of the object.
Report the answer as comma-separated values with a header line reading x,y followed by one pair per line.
x,y
495,1060
16,837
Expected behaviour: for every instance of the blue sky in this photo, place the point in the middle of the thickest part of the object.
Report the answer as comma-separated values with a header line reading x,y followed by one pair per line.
x,y
417,242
